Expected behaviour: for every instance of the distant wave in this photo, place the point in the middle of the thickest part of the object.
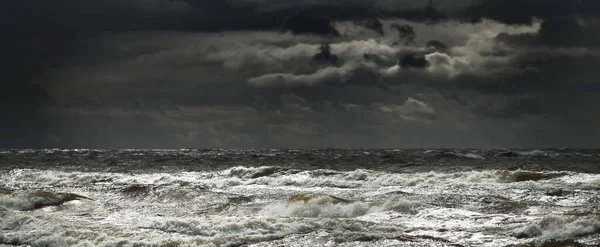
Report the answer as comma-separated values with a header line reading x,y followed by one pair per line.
x,y
462,155
513,153
385,160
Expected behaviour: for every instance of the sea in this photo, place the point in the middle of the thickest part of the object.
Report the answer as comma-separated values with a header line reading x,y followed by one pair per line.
x,y
307,197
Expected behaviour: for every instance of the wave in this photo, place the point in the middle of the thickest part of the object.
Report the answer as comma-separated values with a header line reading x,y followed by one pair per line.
x,y
310,205
31,200
316,206
209,231
461,155
142,183
257,172
521,176
552,227
280,206
514,153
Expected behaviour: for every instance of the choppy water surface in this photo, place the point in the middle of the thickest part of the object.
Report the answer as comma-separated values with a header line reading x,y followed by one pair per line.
x,y
299,198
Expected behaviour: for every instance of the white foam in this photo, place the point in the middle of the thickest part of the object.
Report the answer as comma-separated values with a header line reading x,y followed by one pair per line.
x,y
201,208
29,200
277,177
560,227
317,208
402,205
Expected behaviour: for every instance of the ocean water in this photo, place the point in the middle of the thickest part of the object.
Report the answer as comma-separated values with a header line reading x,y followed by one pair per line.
x,y
299,197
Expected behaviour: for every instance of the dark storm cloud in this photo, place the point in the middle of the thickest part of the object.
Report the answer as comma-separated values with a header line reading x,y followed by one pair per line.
x,y
40,35
438,45
405,32
520,12
22,123
560,32
326,55
514,109
218,15
375,25
307,21
412,60
256,73
201,15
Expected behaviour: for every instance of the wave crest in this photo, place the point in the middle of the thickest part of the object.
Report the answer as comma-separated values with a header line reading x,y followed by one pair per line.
x,y
31,200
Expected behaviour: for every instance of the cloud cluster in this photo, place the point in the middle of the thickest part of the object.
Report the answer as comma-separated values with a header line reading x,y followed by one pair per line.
x,y
265,73
349,73
412,109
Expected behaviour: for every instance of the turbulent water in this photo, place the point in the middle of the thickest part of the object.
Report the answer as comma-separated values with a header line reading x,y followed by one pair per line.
x,y
299,197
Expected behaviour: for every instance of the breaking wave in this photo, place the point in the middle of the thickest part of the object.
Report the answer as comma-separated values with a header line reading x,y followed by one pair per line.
x,y
552,227
279,205
316,206
30,200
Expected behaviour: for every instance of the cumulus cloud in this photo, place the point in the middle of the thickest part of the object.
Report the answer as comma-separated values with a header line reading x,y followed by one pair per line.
x,y
350,73
355,49
412,109
441,63
264,58
294,102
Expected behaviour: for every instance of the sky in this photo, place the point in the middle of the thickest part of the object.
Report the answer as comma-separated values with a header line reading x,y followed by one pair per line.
x,y
300,74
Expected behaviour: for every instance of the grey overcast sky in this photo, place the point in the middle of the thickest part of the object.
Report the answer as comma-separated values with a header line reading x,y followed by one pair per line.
x,y
300,74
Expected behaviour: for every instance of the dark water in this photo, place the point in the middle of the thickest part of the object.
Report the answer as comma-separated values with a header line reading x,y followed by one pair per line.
x,y
577,160
300,197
